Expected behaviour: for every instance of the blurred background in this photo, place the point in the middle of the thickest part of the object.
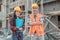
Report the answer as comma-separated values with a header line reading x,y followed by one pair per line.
x,y
50,8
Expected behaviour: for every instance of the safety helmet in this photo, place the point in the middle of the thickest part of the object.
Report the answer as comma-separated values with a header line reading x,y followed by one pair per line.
x,y
35,6
17,9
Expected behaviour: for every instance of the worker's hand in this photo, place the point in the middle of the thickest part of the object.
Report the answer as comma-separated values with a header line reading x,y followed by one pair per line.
x,y
31,23
39,23
35,23
20,28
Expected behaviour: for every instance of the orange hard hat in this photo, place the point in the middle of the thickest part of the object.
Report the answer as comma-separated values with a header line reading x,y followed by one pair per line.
x,y
17,9
35,6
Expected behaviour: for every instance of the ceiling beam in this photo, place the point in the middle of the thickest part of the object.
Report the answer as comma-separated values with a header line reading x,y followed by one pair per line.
x,y
53,13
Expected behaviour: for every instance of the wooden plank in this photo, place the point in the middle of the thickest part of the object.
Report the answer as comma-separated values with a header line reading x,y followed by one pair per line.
x,y
52,23
47,23
53,13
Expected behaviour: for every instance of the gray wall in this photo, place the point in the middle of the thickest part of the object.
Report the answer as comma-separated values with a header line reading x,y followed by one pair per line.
x,y
55,6
49,7
47,1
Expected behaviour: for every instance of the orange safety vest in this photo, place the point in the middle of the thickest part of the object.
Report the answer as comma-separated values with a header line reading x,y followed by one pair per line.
x,y
39,29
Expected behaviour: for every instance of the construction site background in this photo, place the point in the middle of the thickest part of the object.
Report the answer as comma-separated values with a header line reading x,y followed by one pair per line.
x,y
50,8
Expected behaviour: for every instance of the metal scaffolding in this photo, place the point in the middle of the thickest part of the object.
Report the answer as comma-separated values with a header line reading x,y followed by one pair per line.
x,y
48,34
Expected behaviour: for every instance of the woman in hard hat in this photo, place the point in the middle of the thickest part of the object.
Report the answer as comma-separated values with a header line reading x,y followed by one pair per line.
x,y
36,23
17,24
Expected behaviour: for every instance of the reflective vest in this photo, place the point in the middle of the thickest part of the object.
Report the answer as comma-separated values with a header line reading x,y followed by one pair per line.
x,y
39,29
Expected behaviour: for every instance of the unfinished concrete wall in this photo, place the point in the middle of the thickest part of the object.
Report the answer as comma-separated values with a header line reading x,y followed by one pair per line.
x,y
49,7
54,6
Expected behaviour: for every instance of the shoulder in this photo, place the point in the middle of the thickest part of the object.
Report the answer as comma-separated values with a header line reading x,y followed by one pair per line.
x,y
11,19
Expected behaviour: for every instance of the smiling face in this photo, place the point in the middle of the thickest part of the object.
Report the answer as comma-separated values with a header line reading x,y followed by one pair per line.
x,y
35,11
17,14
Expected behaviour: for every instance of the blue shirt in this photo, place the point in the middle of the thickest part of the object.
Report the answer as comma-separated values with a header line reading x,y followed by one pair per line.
x,y
19,23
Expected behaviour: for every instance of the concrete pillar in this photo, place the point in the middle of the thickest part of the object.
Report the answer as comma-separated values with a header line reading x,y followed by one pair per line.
x,y
26,14
4,13
8,15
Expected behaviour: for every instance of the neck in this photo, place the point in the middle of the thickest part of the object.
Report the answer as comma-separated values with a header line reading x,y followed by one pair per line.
x,y
17,17
35,14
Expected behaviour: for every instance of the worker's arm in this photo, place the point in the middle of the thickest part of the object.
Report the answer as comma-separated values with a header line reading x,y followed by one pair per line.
x,y
38,23
31,23
42,18
12,27
35,23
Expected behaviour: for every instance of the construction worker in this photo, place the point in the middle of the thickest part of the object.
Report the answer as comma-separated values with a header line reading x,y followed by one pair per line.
x,y
17,24
36,23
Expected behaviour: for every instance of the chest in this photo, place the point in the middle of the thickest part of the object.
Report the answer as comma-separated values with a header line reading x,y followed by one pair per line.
x,y
19,22
35,18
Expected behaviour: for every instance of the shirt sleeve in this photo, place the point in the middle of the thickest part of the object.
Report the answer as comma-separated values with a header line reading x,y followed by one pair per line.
x,y
41,18
29,20
12,27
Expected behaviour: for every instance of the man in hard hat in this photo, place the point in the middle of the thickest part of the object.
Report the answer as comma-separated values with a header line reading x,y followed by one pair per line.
x,y
17,24
36,23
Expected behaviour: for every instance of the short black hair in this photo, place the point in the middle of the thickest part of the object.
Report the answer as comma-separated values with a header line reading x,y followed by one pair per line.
x,y
29,12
